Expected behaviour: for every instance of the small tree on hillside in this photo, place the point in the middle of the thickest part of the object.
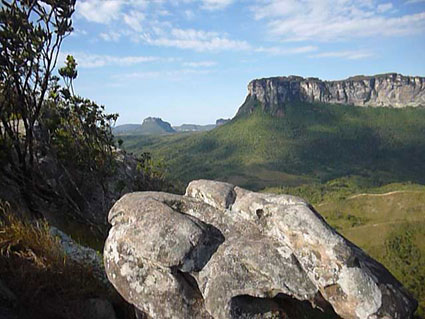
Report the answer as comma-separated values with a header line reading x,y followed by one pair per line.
x,y
31,33
38,117
80,131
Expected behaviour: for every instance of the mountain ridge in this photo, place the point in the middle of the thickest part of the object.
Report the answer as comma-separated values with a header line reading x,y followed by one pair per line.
x,y
157,126
382,90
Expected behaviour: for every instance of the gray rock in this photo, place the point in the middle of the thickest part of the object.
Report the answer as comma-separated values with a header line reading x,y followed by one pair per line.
x,y
386,90
223,252
80,254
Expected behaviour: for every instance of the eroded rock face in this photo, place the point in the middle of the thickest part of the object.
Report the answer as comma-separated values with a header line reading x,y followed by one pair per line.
x,y
224,252
387,90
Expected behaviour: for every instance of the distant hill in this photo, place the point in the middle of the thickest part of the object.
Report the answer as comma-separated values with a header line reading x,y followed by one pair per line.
x,y
311,143
221,121
150,126
194,128
156,126
127,129
281,136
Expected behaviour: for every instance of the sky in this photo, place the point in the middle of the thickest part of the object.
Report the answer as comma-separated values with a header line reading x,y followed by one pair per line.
x,y
190,61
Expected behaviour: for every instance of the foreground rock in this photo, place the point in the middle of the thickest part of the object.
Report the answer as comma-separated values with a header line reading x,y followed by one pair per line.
x,y
224,252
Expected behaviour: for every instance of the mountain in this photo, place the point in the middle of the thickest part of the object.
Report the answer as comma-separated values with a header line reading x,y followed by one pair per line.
x,y
200,128
304,143
221,122
127,129
150,126
154,125
385,90
194,128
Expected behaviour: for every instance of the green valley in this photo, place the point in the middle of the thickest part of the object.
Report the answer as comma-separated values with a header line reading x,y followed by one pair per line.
x,y
310,143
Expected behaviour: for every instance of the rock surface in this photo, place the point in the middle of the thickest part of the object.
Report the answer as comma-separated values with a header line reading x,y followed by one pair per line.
x,y
222,251
386,90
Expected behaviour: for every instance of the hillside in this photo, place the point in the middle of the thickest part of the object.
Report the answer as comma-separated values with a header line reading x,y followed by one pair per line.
x,y
312,143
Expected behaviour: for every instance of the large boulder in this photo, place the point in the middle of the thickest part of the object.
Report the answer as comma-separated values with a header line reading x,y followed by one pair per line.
x,y
222,251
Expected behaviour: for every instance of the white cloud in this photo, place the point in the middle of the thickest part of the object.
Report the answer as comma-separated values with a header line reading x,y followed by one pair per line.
x,y
197,40
171,75
78,32
330,20
350,55
110,36
287,51
134,20
216,4
199,64
384,7
88,60
100,11
189,14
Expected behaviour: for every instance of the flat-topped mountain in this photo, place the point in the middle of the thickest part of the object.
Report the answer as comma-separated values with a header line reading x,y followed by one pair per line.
x,y
385,90
150,126
155,125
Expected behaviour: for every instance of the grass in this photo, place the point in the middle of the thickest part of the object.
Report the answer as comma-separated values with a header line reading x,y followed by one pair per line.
x,y
47,284
311,143
388,222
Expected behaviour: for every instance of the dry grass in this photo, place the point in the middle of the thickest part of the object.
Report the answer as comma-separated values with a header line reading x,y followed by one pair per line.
x,y
46,283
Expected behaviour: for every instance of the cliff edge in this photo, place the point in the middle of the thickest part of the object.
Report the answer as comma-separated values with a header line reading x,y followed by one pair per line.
x,y
385,90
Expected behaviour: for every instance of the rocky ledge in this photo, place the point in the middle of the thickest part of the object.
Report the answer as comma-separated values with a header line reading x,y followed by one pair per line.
x,y
386,90
222,251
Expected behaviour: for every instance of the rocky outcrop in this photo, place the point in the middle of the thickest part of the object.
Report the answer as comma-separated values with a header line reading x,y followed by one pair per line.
x,y
155,125
387,90
222,251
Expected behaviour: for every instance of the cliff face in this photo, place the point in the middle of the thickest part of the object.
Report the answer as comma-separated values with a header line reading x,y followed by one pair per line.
x,y
154,125
387,90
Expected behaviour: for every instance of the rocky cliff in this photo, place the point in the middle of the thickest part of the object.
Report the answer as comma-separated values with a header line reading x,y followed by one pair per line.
x,y
155,125
386,90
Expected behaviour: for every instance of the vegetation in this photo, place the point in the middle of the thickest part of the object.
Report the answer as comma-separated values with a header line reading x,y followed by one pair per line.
x,y
40,120
46,283
312,143
30,38
388,222
57,152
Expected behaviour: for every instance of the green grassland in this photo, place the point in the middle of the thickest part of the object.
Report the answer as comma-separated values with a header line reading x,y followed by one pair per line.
x,y
388,222
310,143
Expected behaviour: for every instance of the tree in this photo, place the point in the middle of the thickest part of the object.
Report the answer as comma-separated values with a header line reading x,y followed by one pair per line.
x,y
31,33
79,130
40,119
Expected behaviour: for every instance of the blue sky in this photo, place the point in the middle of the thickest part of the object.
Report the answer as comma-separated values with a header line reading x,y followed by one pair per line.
x,y
189,61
